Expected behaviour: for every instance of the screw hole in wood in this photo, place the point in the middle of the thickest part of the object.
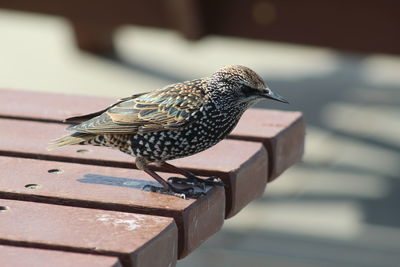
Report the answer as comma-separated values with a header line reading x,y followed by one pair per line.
x,y
32,186
82,151
4,208
55,171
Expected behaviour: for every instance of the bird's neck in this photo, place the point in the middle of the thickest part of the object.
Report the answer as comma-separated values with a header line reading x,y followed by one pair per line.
x,y
227,116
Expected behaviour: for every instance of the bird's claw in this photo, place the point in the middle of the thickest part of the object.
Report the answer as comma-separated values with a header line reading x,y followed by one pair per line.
x,y
181,181
183,196
214,180
183,193
189,182
211,181
154,189
186,187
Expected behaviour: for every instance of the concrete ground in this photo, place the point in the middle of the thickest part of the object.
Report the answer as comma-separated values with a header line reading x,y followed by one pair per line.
x,y
337,208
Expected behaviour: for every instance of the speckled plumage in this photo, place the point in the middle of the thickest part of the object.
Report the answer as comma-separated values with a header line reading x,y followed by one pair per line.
x,y
173,122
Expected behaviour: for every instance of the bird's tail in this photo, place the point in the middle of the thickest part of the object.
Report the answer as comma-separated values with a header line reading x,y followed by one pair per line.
x,y
72,139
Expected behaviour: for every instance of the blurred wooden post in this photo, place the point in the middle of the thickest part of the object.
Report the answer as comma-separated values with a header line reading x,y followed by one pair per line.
x,y
94,37
362,26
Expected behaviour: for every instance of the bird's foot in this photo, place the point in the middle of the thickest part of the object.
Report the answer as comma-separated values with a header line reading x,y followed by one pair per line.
x,y
213,180
181,181
197,182
180,191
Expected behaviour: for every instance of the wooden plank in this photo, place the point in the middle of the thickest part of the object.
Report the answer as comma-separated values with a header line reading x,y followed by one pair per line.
x,y
111,189
12,256
136,239
312,22
282,132
48,106
243,166
149,12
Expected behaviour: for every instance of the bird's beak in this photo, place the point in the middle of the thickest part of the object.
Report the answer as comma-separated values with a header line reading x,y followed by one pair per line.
x,y
267,93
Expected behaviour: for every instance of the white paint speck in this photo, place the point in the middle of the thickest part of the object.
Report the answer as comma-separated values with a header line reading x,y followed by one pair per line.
x,y
130,221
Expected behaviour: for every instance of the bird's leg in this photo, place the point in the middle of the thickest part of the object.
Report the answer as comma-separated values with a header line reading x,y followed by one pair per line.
x,y
191,178
166,186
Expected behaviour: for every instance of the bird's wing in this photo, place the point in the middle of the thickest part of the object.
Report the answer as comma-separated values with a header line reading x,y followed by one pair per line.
x,y
170,108
82,118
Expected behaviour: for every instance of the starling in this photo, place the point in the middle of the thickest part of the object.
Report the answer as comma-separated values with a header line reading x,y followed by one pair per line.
x,y
176,121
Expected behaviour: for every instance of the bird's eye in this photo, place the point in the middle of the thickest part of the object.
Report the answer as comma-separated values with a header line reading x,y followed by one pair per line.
x,y
247,90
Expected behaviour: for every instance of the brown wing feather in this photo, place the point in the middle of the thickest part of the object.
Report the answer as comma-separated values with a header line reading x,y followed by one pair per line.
x,y
169,108
82,118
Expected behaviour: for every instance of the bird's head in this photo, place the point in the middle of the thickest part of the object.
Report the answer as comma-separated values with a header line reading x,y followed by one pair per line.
x,y
243,85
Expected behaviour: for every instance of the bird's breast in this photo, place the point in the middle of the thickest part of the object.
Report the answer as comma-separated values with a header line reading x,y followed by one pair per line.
x,y
209,126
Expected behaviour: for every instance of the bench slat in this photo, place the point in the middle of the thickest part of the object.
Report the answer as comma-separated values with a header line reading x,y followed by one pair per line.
x,y
134,238
48,106
12,256
112,189
243,166
281,132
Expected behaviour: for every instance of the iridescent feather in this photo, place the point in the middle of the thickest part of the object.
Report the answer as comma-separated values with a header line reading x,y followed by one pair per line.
x,y
171,107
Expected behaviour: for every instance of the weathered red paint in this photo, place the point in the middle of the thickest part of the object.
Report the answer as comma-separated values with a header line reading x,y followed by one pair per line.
x,y
91,231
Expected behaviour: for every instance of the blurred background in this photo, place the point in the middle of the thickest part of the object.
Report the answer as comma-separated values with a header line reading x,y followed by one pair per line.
x,y
337,63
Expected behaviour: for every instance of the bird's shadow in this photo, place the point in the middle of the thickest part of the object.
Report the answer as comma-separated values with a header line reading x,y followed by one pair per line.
x,y
116,181
141,184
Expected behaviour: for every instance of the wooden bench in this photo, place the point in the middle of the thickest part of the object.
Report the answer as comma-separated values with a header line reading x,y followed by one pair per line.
x,y
311,22
86,204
